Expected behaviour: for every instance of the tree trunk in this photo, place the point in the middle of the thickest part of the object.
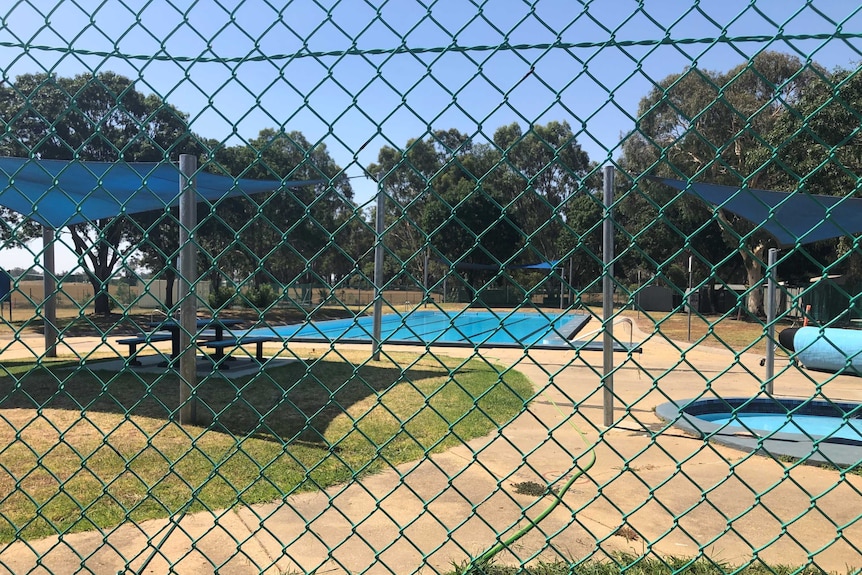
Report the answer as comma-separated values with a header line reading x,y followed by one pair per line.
x,y
101,302
215,280
751,259
708,304
754,279
98,257
98,278
170,280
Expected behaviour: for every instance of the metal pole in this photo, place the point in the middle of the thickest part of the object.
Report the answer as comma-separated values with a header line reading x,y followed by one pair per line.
x,y
188,273
562,285
770,319
378,273
688,296
49,286
425,279
607,296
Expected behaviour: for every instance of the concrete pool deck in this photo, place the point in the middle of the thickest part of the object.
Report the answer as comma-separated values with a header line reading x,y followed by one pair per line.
x,y
678,494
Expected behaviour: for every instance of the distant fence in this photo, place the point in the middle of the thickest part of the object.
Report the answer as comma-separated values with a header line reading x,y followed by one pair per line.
x,y
29,293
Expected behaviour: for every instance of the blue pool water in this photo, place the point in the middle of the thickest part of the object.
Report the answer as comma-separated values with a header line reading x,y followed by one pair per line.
x,y
442,328
811,425
813,430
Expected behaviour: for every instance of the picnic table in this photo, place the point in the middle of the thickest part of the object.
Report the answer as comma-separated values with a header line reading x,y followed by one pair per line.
x,y
218,325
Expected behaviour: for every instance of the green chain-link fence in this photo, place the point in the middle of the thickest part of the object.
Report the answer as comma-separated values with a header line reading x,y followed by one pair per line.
x,y
438,287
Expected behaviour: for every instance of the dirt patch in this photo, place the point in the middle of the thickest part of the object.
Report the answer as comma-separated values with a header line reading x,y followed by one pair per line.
x,y
532,488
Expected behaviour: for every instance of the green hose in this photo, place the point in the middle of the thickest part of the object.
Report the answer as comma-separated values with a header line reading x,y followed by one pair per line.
x,y
484,558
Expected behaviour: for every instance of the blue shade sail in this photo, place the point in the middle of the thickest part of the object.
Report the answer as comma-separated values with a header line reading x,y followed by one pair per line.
x,y
790,217
57,193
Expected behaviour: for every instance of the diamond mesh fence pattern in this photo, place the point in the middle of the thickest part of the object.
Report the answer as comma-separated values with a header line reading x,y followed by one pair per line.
x,y
438,287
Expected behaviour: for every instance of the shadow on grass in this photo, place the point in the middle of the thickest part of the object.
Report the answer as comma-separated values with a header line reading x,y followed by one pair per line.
x,y
105,443
293,403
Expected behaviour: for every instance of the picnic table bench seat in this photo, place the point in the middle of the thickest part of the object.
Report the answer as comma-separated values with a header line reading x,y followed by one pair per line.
x,y
144,338
240,340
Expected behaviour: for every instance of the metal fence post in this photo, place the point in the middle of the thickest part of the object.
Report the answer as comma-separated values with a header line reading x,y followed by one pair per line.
x,y
188,308
49,287
770,320
688,295
378,272
608,297
425,277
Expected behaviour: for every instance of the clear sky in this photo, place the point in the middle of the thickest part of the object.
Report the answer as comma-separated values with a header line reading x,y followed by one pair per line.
x,y
356,77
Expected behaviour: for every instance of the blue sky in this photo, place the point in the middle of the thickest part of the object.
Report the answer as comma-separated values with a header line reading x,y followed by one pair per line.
x,y
328,69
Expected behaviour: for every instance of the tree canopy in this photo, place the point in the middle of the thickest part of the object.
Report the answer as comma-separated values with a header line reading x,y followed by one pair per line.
x,y
89,117
483,202
103,117
525,194
713,127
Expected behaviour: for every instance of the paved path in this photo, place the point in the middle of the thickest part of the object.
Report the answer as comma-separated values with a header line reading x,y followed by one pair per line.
x,y
679,495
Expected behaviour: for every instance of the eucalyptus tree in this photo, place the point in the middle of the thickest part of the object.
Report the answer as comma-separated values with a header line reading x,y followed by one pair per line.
x,y
288,235
545,165
91,117
582,240
817,148
711,127
467,220
407,177
529,174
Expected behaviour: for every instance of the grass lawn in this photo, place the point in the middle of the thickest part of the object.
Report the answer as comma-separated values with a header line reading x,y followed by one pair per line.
x,y
91,450
636,565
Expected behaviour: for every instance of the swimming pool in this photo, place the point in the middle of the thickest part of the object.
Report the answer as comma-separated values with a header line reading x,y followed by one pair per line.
x,y
810,425
814,430
440,328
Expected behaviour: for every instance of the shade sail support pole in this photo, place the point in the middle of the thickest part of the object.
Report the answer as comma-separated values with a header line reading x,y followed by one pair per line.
x,y
188,276
608,297
378,273
49,288
771,284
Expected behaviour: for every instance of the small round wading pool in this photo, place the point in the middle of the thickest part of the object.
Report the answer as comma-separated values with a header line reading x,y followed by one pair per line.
x,y
816,431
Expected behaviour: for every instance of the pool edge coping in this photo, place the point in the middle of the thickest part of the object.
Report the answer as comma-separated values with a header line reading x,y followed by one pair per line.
x,y
554,343
794,445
